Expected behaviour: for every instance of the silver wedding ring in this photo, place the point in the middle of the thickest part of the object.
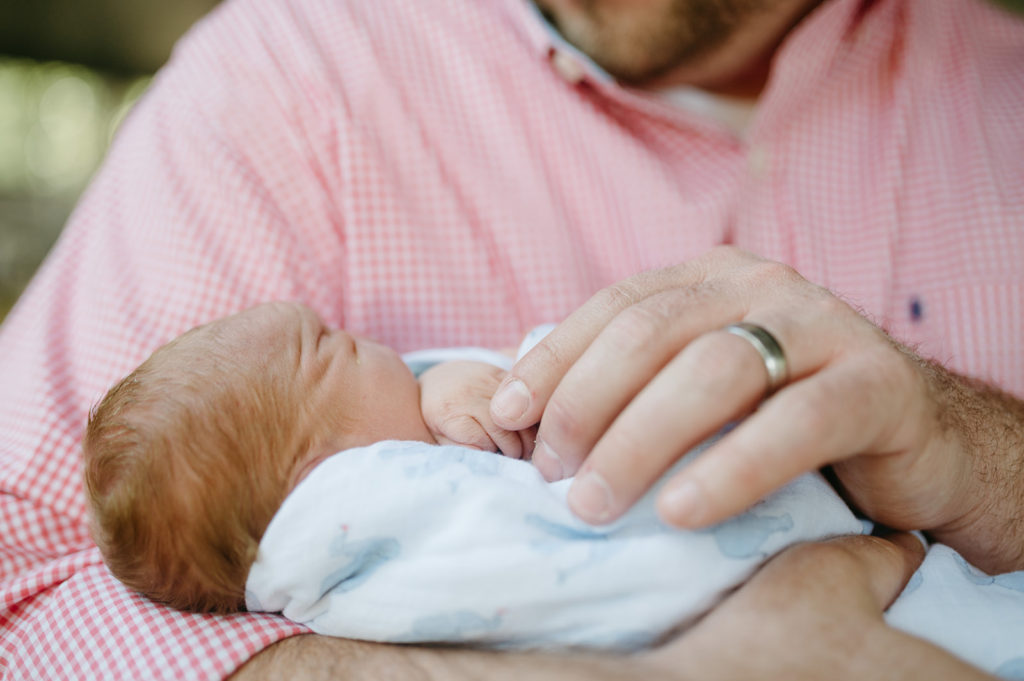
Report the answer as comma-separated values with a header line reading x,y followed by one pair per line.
x,y
770,350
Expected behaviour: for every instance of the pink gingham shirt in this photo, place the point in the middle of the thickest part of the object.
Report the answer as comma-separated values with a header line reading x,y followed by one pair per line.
x,y
440,172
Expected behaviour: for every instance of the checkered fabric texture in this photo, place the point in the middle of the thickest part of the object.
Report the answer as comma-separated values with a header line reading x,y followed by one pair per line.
x,y
426,173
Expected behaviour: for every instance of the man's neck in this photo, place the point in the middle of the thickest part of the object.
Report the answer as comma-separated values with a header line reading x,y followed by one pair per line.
x,y
741,66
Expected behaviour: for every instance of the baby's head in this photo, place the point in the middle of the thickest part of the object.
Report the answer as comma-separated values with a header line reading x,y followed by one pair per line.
x,y
189,457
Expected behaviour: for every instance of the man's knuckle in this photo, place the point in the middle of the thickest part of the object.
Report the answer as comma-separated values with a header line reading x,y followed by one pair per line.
x,y
774,273
823,304
635,328
621,295
547,354
650,281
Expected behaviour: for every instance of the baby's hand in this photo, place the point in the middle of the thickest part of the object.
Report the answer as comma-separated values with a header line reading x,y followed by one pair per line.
x,y
455,399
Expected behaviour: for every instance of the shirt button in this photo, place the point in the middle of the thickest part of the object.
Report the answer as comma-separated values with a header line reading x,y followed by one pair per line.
x,y
568,67
759,161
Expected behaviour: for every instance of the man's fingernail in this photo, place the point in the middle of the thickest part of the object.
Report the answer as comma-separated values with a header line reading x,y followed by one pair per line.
x,y
591,498
683,503
511,401
548,462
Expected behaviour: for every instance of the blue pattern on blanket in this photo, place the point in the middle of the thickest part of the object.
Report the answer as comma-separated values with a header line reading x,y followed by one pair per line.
x,y
1012,669
1009,580
564,532
461,625
365,556
479,463
971,573
743,536
562,538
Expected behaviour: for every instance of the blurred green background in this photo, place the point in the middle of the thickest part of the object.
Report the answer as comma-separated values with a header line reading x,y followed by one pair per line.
x,y
69,71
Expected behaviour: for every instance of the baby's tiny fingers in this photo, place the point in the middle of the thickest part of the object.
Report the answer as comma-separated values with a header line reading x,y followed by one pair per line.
x,y
466,431
509,442
528,438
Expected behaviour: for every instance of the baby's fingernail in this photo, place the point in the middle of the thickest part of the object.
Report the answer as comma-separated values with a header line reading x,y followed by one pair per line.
x,y
591,498
511,401
548,462
683,504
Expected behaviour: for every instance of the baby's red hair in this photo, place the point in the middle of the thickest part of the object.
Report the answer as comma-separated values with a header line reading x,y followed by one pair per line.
x,y
186,462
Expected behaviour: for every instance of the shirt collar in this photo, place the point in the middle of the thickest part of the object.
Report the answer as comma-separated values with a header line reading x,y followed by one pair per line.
x,y
552,45
569,61
804,58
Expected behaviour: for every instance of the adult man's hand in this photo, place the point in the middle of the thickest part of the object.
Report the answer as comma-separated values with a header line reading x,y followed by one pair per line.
x,y
815,611
644,371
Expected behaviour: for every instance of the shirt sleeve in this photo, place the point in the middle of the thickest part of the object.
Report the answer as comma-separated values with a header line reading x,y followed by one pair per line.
x,y
216,195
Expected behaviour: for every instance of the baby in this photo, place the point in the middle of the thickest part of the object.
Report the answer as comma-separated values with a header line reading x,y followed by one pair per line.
x,y
189,457
265,462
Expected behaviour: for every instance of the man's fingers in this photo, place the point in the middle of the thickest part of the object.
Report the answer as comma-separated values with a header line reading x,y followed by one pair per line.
x,y
708,384
640,342
509,442
520,399
891,566
628,353
524,393
528,440
644,371
807,425
717,378
813,607
865,571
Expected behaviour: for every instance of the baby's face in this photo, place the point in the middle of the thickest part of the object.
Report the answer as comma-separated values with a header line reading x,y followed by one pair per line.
x,y
347,391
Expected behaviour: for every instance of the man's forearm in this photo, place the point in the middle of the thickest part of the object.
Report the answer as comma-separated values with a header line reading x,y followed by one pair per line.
x,y
319,658
988,425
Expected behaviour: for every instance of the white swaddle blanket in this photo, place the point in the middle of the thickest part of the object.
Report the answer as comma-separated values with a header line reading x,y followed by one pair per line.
x,y
409,542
